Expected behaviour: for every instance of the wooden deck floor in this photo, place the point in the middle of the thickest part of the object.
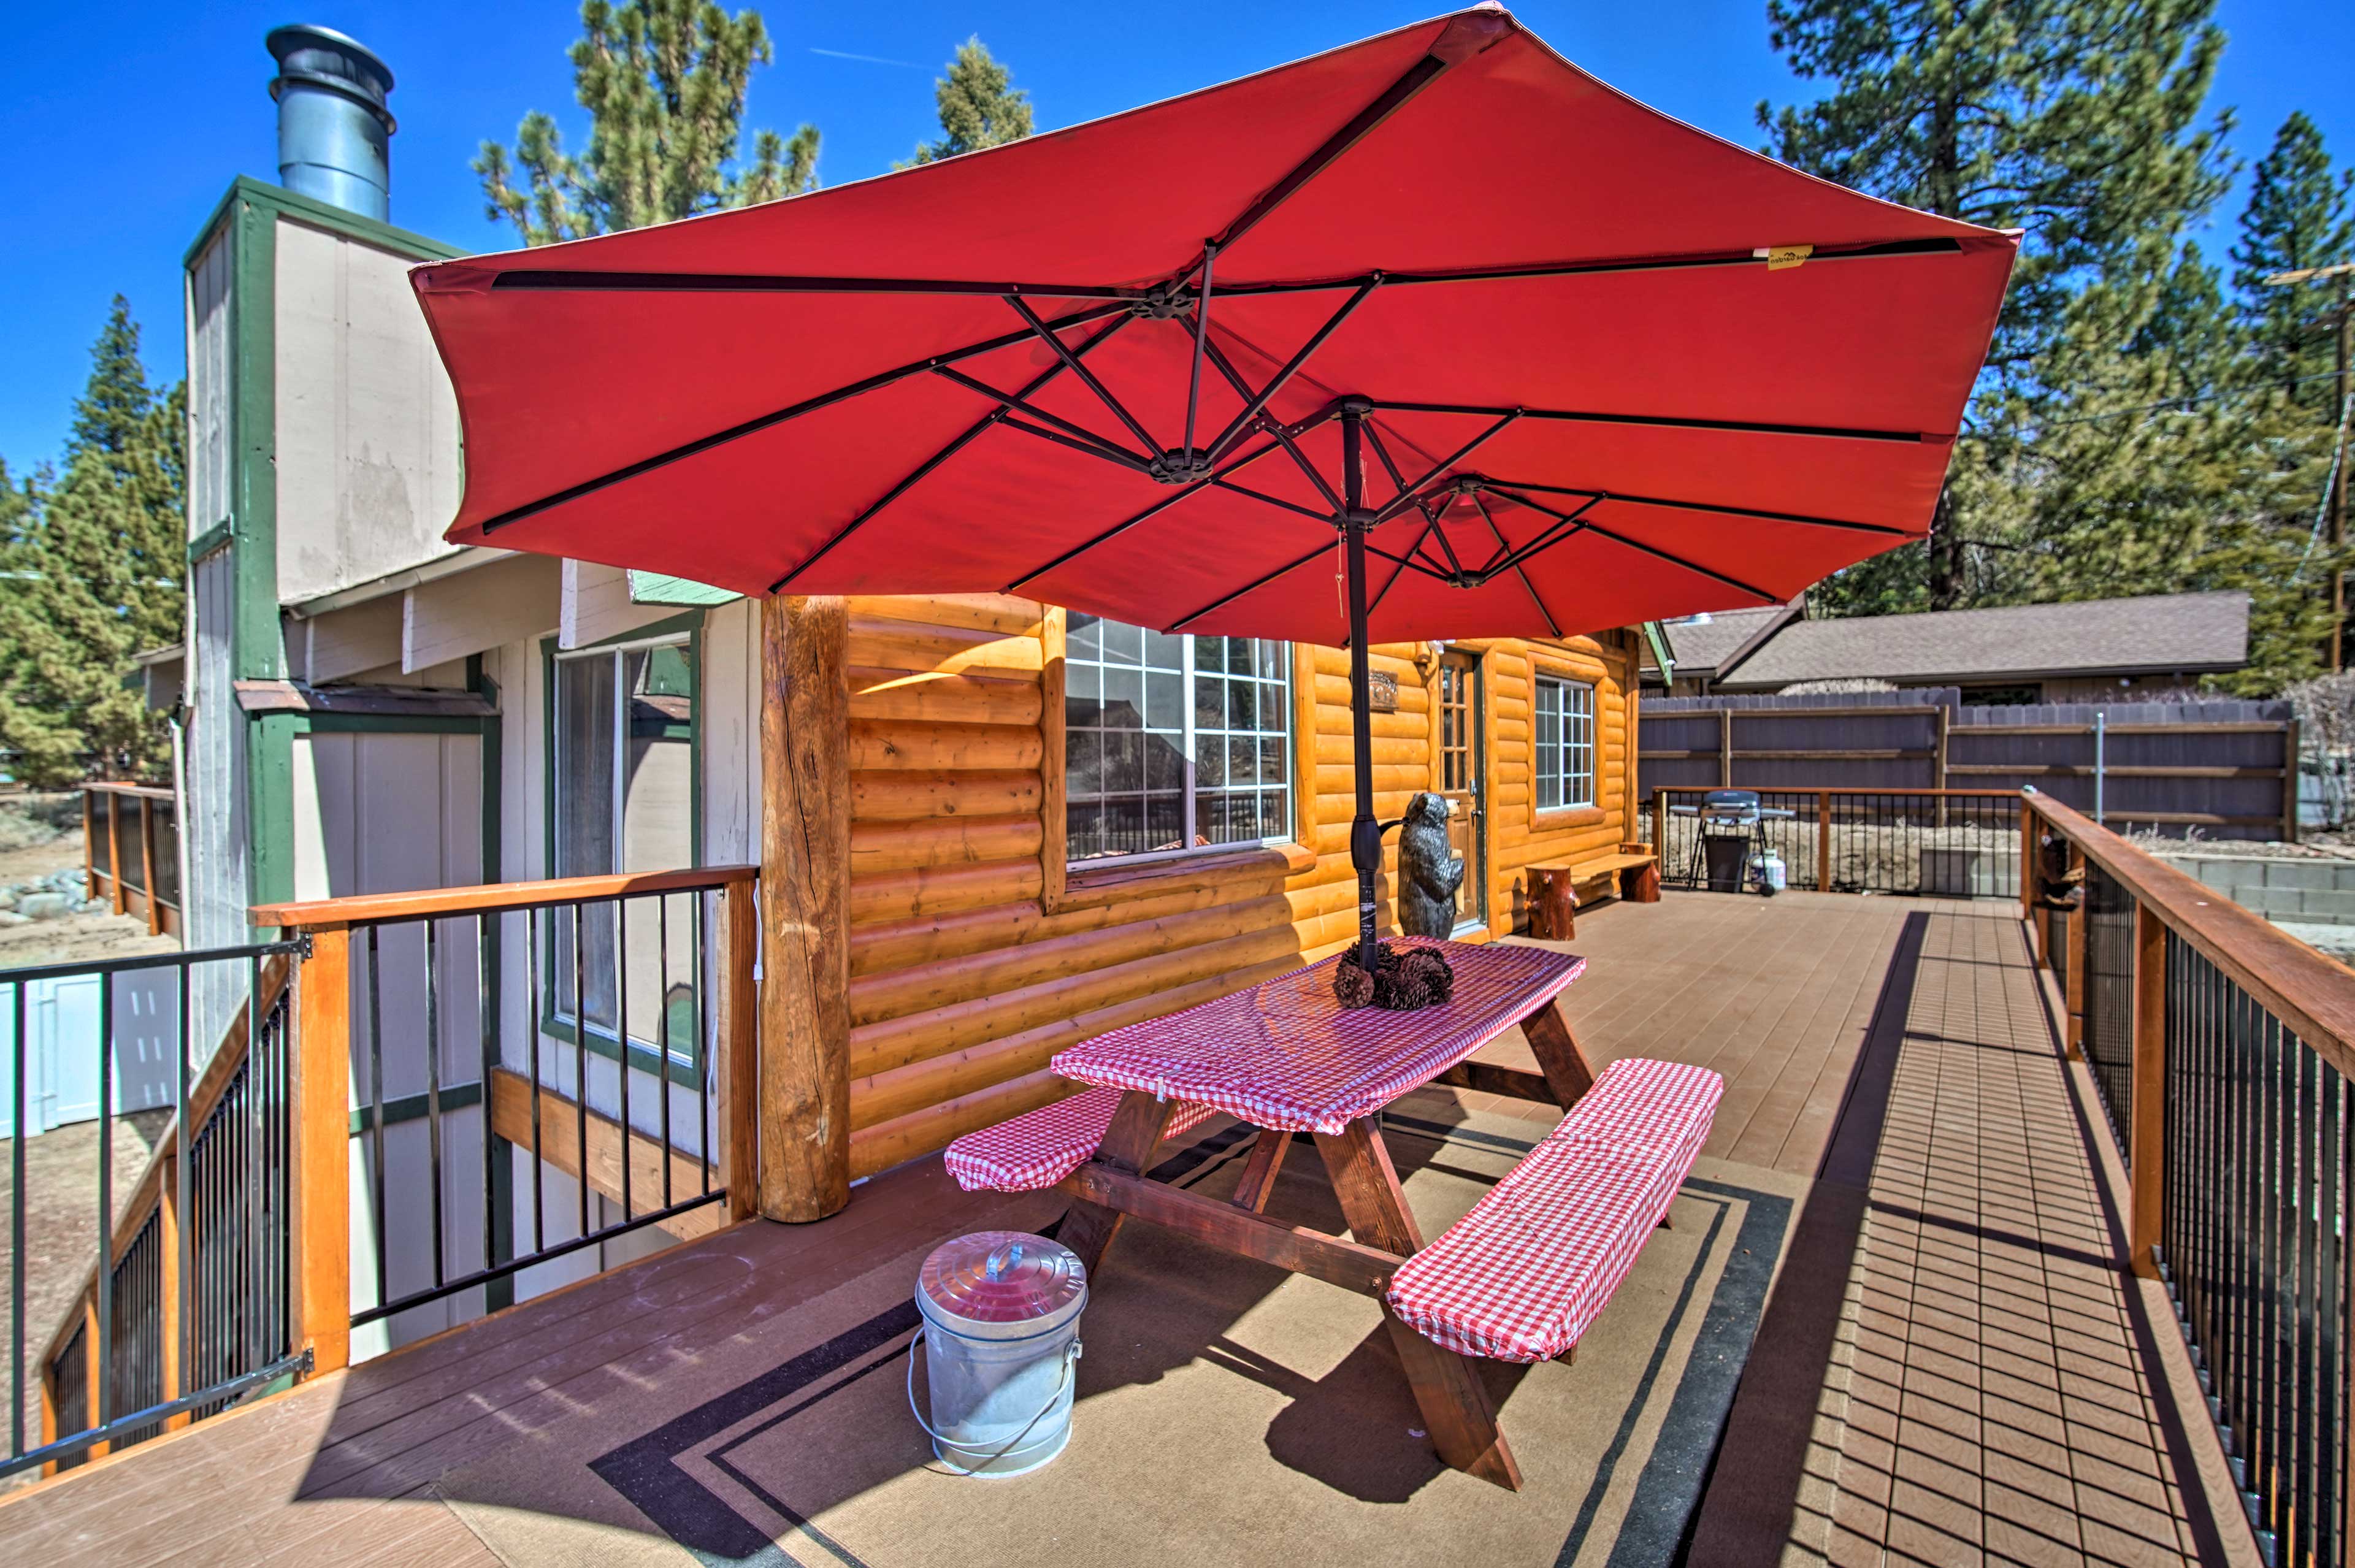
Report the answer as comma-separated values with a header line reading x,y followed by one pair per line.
x,y
1952,1367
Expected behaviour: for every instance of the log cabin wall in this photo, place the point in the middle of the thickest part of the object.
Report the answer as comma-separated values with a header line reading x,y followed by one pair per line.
x,y
975,954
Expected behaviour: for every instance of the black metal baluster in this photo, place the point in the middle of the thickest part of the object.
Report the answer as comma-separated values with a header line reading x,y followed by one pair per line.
x,y
662,1051
104,1278
183,1153
2306,1194
249,1308
580,1058
16,1227
490,1045
531,1047
376,1109
622,1055
704,1052
434,1092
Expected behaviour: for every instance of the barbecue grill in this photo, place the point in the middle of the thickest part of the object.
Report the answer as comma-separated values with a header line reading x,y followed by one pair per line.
x,y
1732,836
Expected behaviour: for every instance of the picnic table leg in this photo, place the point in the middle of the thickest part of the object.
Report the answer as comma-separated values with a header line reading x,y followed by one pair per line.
x,y
1455,1408
1567,1072
1136,1128
1259,1172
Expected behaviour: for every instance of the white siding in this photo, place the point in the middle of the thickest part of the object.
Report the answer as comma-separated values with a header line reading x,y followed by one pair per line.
x,y
367,427
209,385
214,903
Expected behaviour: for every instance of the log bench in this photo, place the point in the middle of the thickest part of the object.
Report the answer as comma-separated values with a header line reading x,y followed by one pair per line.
x,y
1633,873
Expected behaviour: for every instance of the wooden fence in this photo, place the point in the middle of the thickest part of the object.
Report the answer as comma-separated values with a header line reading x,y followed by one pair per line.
x,y
2228,769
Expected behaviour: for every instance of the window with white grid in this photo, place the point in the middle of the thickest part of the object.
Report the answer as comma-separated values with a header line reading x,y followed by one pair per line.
x,y
1565,743
1173,743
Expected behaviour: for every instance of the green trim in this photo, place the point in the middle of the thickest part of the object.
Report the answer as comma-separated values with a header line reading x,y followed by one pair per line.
x,y
389,724
246,189
1659,641
656,588
414,1107
211,540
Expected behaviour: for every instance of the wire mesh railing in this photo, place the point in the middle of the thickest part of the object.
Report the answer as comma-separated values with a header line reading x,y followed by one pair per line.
x,y
1928,843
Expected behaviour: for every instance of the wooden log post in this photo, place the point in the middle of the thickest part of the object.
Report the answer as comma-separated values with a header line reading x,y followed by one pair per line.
x,y
89,849
2146,1142
2291,778
321,1262
1660,821
2027,878
147,864
805,1082
740,1049
114,846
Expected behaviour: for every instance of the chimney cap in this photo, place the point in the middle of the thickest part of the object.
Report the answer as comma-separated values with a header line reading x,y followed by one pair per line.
x,y
337,63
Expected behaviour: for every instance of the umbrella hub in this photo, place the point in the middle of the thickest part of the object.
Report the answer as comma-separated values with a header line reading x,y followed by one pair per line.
x,y
1165,302
1180,465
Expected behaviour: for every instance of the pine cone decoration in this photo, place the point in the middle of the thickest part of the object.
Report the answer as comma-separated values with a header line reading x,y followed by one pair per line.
x,y
1352,987
1403,993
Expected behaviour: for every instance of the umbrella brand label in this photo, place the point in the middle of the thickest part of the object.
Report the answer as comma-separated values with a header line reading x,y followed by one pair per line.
x,y
1381,692
1778,257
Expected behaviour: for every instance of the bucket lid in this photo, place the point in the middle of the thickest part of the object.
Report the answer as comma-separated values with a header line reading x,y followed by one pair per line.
x,y
996,1280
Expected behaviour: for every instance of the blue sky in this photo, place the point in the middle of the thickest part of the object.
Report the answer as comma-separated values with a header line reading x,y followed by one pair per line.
x,y
116,141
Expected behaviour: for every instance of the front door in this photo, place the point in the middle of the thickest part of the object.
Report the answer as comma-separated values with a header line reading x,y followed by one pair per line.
x,y
1460,752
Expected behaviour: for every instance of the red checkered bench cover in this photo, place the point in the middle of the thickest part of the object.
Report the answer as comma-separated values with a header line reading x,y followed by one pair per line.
x,y
1041,1147
1521,1276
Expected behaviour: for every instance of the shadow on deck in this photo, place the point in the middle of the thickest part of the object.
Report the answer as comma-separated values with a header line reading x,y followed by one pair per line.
x,y
1950,1367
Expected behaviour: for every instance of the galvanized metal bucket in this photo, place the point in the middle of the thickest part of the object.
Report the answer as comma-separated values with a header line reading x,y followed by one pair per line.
x,y
1001,1343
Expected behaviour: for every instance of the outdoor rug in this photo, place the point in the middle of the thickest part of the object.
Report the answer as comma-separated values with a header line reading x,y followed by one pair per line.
x,y
1222,1404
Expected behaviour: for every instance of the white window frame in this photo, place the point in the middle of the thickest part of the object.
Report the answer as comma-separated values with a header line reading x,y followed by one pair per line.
x,y
1290,786
1575,739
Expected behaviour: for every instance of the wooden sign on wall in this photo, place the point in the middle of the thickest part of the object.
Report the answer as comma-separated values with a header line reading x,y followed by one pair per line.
x,y
1382,691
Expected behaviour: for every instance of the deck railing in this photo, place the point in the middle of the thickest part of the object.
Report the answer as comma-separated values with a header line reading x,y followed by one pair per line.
x,y
535,1067
1957,843
130,852
184,1308
2223,1050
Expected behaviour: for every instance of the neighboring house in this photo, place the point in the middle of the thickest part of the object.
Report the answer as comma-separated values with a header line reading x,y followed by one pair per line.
x,y
1701,648
371,709
2088,651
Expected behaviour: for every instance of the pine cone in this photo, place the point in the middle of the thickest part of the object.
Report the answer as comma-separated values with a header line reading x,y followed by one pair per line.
x,y
1406,993
1352,987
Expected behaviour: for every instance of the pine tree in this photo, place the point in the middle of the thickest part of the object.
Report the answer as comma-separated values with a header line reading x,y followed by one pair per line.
x,y
96,576
2297,219
2079,120
979,106
664,82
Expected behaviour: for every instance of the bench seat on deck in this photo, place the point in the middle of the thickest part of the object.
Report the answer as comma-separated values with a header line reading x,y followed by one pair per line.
x,y
1523,1274
1038,1149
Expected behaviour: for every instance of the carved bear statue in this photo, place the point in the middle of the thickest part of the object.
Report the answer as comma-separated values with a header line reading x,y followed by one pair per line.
x,y
1429,870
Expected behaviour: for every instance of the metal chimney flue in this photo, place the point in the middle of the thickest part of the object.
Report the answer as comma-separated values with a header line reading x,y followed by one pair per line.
x,y
333,125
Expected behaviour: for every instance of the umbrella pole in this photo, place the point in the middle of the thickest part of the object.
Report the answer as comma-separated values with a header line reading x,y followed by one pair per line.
x,y
1365,832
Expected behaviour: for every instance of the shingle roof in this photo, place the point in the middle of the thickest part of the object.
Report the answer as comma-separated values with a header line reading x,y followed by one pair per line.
x,y
1701,647
2191,633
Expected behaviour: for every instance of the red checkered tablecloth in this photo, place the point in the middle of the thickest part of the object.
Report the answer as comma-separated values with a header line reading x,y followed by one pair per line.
x,y
1283,1055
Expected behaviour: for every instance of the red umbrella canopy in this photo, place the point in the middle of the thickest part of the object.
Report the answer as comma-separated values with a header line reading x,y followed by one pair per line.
x,y
1594,366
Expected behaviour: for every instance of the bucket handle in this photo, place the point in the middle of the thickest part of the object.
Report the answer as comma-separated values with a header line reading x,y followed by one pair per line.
x,y
1070,1355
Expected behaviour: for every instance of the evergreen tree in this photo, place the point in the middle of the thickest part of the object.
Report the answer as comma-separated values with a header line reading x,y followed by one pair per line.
x,y
664,82
96,576
2079,120
2297,219
979,105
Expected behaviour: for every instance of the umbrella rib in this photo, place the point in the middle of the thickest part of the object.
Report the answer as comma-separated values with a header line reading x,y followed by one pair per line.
x,y
1381,451
1153,510
1527,586
755,425
957,444
1565,525
560,281
1063,352
1235,427
1406,498
1668,556
1251,587
1201,340
1274,500
1017,403
1400,571
1763,515
1243,389
1118,459
1664,421
1889,249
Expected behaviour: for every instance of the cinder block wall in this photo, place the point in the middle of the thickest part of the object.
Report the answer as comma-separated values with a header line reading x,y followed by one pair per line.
x,y
2322,891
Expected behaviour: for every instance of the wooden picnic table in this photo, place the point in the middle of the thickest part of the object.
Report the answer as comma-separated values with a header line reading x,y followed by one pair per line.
x,y
1283,1057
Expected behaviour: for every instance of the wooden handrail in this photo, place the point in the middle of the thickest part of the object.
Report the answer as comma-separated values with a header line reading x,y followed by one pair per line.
x,y
495,897
145,792
2314,996
1845,789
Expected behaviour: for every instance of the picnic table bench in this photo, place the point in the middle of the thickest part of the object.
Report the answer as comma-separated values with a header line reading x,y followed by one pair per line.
x,y
1633,873
1519,1278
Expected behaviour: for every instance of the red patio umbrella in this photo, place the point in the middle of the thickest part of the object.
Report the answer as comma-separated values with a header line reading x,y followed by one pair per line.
x,y
1438,313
